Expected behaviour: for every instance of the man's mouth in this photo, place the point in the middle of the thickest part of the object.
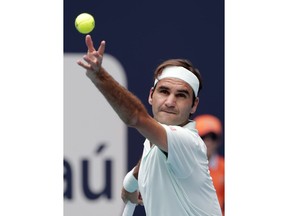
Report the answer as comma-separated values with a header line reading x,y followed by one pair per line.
x,y
169,111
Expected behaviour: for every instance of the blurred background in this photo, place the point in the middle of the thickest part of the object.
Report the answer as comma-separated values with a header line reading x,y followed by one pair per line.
x,y
139,36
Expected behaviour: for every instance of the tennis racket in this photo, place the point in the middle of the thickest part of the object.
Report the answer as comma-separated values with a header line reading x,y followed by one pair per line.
x,y
129,209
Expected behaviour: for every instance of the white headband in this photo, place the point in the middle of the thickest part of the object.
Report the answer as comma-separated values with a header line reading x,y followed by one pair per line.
x,y
180,73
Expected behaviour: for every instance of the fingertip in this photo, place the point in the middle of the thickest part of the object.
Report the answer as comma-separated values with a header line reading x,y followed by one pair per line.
x,y
88,39
80,63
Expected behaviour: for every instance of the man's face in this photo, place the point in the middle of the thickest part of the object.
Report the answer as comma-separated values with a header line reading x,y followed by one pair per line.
x,y
171,101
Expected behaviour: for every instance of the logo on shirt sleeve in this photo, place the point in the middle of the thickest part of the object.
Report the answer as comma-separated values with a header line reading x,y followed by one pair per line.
x,y
172,128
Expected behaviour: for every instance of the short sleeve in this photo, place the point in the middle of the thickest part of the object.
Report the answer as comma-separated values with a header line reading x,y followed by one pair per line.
x,y
186,150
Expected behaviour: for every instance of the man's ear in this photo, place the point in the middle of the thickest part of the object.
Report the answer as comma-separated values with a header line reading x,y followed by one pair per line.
x,y
195,105
150,95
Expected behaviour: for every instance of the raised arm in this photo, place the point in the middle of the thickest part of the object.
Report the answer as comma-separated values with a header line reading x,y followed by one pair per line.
x,y
128,107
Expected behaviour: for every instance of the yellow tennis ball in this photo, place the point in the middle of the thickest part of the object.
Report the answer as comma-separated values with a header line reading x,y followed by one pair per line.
x,y
84,23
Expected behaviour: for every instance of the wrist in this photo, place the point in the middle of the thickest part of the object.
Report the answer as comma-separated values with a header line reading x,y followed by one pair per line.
x,y
130,183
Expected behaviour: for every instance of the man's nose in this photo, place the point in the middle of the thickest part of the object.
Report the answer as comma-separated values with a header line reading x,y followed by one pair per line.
x,y
170,101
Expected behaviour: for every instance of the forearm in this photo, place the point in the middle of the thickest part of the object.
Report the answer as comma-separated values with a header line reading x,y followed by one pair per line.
x,y
130,182
136,169
127,106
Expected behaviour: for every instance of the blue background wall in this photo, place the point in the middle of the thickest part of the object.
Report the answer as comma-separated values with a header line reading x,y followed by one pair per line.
x,y
143,34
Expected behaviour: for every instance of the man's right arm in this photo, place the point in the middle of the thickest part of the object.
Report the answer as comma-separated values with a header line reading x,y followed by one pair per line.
x,y
128,107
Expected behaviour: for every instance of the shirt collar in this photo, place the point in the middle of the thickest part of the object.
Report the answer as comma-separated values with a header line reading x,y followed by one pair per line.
x,y
191,125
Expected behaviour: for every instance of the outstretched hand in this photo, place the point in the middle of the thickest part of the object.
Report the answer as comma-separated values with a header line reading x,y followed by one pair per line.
x,y
93,57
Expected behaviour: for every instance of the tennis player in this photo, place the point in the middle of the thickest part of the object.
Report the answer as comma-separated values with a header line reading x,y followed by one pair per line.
x,y
173,176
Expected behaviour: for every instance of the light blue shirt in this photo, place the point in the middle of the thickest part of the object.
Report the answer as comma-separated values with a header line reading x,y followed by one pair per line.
x,y
180,184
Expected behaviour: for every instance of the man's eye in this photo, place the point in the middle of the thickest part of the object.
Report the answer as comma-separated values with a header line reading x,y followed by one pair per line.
x,y
164,92
181,95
